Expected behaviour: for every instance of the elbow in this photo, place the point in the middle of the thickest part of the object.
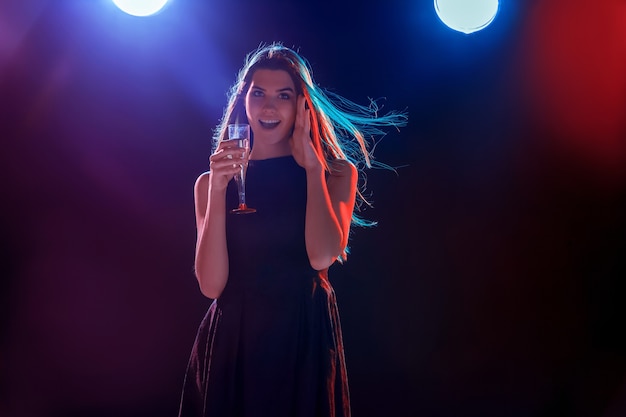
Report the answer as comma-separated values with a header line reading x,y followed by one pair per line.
x,y
210,292
322,261
319,264
209,286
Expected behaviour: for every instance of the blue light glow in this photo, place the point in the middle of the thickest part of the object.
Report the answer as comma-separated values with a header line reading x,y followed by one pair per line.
x,y
140,7
466,16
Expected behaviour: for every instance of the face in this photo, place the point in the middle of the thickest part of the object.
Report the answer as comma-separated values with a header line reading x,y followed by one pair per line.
x,y
271,107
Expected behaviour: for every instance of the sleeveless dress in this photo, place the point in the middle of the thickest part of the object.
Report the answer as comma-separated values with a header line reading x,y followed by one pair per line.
x,y
271,344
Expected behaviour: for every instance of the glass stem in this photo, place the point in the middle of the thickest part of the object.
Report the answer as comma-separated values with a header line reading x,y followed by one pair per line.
x,y
241,187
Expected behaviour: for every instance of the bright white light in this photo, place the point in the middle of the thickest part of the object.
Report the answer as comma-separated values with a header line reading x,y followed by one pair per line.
x,y
466,16
140,7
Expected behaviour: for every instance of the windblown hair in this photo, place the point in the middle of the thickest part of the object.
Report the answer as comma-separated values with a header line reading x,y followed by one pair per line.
x,y
340,128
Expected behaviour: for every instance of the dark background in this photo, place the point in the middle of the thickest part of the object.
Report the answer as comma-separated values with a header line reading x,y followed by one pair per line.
x,y
493,285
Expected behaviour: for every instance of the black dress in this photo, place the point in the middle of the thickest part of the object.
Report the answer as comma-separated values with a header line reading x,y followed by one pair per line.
x,y
271,345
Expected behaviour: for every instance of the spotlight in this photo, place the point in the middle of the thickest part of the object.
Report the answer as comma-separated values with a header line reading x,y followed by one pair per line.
x,y
140,7
466,16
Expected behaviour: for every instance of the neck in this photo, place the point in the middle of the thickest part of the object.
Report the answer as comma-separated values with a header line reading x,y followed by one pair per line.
x,y
267,152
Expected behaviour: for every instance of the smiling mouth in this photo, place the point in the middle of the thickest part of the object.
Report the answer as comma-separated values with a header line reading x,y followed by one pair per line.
x,y
269,124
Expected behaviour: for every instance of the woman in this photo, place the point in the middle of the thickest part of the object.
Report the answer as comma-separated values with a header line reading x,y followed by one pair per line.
x,y
271,344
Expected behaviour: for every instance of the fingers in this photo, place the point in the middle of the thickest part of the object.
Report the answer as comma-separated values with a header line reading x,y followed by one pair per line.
x,y
228,146
228,159
229,153
303,115
224,167
302,106
307,122
230,149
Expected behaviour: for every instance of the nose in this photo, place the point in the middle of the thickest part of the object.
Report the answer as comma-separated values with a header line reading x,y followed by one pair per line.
x,y
269,104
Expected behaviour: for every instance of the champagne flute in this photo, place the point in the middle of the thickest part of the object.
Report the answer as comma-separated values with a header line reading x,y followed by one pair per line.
x,y
240,135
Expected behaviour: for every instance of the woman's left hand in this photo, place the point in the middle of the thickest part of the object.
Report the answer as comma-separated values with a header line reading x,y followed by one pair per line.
x,y
302,147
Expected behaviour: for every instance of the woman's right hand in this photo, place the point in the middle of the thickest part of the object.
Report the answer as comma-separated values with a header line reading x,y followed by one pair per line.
x,y
225,163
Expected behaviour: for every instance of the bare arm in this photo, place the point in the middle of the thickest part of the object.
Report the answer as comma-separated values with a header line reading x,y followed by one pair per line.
x,y
329,212
211,263
330,201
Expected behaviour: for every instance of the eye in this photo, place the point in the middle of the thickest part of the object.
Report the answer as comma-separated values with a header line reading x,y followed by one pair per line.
x,y
284,96
257,93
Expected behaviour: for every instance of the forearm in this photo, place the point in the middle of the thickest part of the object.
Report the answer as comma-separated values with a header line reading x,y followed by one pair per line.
x,y
323,232
211,263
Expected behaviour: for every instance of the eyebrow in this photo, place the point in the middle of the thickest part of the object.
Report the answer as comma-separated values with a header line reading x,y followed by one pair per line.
x,y
280,90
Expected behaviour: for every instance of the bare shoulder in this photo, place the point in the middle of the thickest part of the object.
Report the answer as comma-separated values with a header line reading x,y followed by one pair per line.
x,y
202,182
342,178
341,168
201,195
